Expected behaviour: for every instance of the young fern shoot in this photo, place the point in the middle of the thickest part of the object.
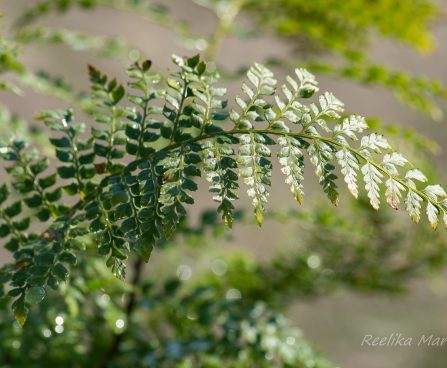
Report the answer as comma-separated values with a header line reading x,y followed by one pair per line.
x,y
135,173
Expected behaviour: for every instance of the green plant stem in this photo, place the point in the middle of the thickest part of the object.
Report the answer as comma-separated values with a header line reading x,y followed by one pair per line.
x,y
226,19
302,135
180,109
111,138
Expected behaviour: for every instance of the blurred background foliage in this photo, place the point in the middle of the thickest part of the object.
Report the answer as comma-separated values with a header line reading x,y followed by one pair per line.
x,y
225,309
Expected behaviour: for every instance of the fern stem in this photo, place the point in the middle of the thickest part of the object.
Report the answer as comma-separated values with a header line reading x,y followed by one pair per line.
x,y
74,152
143,126
111,138
180,109
309,137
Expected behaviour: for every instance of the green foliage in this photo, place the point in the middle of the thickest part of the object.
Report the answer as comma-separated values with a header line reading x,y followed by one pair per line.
x,y
345,26
314,31
113,194
129,207
181,326
329,252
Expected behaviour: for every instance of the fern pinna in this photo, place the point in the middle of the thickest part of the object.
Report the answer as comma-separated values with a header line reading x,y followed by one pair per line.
x,y
134,174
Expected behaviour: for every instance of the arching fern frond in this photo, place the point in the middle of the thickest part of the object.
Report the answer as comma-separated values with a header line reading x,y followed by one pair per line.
x,y
78,41
136,172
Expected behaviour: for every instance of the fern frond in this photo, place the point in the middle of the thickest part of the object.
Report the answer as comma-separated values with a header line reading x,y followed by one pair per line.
x,y
153,12
393,192
373,179
179,169
253,154
144,125
219,165
107,96
263,83
172,135
70,150
56,87
291,158
78,41
26,169
11,228
321,155
349,166
255,169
